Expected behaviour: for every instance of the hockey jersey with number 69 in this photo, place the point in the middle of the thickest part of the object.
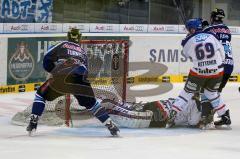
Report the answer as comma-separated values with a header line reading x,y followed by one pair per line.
x,y
206,52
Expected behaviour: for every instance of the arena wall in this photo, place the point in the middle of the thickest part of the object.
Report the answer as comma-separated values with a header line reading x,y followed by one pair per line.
x,y
155,48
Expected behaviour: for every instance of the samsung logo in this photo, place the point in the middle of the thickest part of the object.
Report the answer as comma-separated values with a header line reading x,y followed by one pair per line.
x,y
167,55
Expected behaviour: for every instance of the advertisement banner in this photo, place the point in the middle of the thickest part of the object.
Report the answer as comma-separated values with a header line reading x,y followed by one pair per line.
x,y
167,50
134,28
84,28
1,27
162,28
48,28
182,29
104,28
3,57
25,58
234,30
18,27
27,11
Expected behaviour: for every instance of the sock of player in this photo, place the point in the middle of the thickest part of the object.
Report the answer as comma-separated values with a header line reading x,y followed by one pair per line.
x,y
99,112
216,101
38,105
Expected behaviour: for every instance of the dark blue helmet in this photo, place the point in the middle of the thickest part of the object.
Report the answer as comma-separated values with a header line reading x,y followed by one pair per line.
x,y
195,23
217,15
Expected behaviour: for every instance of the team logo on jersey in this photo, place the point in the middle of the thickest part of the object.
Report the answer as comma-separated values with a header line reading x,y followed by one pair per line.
x,y
21,64
201,37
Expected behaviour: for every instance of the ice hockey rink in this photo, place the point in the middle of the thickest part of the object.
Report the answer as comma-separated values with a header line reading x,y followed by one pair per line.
x,y
94,141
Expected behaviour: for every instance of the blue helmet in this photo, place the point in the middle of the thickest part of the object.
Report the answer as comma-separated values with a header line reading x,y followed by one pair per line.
x,y
195,23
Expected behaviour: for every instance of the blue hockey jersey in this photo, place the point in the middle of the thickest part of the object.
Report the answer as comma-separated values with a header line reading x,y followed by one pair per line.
x,y
224,35
63,51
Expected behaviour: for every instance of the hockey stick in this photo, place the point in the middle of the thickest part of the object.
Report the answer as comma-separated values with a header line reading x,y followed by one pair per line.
x,y
180,9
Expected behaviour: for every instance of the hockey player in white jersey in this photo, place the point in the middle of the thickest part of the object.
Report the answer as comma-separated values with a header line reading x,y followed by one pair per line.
x,y
207,55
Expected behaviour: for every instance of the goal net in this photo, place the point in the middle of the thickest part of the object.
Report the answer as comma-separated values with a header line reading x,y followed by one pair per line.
x,y
108,67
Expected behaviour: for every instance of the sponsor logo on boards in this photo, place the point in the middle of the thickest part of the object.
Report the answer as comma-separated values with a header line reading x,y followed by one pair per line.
x,y
22,27
8,89
21,64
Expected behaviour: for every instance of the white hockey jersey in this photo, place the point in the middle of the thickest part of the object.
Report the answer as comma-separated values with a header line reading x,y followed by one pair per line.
x,y
206,52
190,116
187,117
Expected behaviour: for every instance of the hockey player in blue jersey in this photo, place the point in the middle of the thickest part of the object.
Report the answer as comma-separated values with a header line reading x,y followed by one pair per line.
x,y
68,64
224,35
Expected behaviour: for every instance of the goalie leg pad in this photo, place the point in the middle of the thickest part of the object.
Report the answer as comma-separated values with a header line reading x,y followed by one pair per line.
x,y
130,118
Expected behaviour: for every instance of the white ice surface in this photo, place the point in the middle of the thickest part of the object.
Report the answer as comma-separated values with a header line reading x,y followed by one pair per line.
x,y
93,141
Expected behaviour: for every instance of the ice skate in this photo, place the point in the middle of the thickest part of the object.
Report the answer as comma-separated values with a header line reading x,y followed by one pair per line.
x,y
112,128
225,120
206,122
207,126
170,122
32,126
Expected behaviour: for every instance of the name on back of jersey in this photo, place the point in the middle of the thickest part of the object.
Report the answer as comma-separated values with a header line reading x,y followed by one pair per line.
x,y
207,63
220,30
72,47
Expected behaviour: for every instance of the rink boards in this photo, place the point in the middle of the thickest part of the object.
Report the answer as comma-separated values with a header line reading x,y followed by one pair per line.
x,y
153,58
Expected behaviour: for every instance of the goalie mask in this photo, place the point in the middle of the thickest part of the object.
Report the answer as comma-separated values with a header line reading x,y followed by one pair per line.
x,y
74,35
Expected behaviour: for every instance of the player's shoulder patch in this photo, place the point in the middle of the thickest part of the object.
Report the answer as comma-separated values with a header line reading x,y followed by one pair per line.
x,y
197,36
201,36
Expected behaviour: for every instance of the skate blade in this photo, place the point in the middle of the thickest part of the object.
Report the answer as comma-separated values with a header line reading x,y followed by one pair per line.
x,y
117,135
223,127
169,126
32,133
209,126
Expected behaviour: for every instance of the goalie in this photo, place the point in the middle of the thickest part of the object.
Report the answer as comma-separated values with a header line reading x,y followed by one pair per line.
x,y
156,113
